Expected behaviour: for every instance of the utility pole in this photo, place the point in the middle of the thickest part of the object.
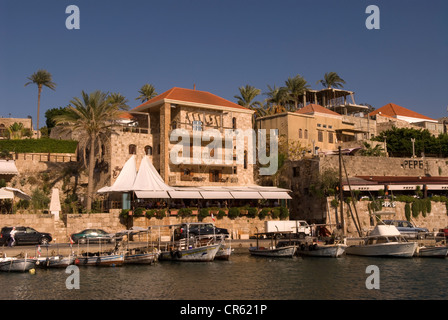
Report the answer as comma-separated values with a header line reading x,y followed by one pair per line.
x,y
413,147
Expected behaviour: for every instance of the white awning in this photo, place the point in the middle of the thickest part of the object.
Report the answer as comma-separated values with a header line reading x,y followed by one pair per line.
x,y
8,167
367,187
152,194
404,187
10,193
246,195
437,187
275,195
185,194
5,194
216,195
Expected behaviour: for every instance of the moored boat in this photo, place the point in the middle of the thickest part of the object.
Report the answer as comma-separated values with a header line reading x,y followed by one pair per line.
x,y
322,250
100,259
141,256
384,241
275,249
432,251
57,261
14,264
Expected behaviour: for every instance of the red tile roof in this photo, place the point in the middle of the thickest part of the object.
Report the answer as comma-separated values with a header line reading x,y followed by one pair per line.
x,y
313,108
393,110
195,96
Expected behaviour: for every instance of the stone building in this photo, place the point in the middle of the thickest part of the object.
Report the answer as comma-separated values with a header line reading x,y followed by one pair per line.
x,y
5,123
148,129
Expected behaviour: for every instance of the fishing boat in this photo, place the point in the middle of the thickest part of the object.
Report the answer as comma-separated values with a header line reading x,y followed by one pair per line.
x,y
276,248
384,241
54,260
17,264
432,251
100,259
190,246
316,249
143,255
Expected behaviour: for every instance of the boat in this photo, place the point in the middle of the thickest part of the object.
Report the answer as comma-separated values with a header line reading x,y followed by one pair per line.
x,y
17,264
432,251
186,246
276,249
316,249
100,259
57,261
224,251
383,241
143,255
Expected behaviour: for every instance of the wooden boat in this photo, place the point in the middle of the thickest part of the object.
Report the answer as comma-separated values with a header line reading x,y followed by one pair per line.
x,y
186,246
100,259
141,256
15,264
384,241
322,250
276,249
432,251
57,261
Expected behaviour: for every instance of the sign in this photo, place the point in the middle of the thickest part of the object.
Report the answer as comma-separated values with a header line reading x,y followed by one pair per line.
x,y
412,164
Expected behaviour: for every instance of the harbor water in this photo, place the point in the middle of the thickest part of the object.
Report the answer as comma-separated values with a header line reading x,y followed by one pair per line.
x,y
243,277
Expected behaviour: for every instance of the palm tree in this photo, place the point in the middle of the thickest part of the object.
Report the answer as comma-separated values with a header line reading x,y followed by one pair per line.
x,y
246,97
118,99
332,80
92,117
295,88
40,78
276,96
147,92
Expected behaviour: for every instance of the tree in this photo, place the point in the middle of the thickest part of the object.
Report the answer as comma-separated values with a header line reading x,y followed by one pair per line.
x,y
92,116
41,78
332,80
295,88
147,92
247,96
119,99
50,114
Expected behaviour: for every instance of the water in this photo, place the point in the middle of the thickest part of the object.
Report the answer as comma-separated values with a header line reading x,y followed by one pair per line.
x,y
243,277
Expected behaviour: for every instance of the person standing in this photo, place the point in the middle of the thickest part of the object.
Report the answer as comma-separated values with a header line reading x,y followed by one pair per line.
x,y
12,239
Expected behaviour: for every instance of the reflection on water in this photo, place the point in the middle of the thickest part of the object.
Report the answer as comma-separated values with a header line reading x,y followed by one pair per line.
x,y
242,278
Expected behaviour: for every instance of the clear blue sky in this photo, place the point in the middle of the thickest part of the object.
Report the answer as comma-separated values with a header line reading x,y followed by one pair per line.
x,y
221,45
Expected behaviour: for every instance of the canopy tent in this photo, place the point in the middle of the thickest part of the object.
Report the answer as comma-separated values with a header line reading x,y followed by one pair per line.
x,y
8,167
147,183
10,193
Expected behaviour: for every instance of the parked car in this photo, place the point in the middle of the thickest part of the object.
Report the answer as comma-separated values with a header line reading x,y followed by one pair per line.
x,y
199,229
94,236
407,229
24,235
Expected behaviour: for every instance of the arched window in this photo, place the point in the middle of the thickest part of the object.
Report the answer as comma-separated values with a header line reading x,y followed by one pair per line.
x,y
132,149
148,150
300,134
233,123
245,159
306,134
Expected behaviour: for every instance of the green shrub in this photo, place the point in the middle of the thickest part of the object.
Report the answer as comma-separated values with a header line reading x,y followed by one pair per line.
x,y
203,213
150,213
407,211
234,213
43,145
138,212
428,205
275,213
185,212
264,213
160,213
124,213
252,212
415,209
221,214
284,213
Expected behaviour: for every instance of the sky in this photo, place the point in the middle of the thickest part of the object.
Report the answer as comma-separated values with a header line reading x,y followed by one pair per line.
x,y
222,45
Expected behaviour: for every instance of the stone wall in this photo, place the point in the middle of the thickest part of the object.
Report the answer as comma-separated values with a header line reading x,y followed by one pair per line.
x,y
240,228
435,220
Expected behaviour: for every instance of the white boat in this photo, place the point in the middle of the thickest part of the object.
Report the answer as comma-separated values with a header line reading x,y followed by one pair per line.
x,y
14,264
57,261
432,251
224,253
189,246
276,248
322,250
384,241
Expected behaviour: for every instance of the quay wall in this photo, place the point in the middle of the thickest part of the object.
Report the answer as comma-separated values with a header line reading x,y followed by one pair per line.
x,y
240,228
